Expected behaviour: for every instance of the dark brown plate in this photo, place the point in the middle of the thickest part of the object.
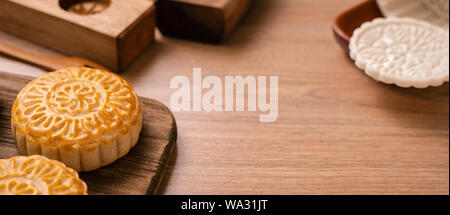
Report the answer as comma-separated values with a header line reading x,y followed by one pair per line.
x,y
349,20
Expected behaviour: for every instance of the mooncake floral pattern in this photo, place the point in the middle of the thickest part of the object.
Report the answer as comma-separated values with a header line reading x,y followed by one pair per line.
x,y
403,51
439,7
76,98
37,175
75,105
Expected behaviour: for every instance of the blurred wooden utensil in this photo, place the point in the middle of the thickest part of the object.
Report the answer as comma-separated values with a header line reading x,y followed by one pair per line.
x,y
47,63
201,20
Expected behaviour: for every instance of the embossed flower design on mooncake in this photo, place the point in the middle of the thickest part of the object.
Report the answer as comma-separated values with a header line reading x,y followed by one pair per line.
x,y
76,99
63,112
37,175
75,105
403,51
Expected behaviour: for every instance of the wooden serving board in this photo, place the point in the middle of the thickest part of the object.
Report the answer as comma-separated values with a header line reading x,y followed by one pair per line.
x,y
202,20
139,172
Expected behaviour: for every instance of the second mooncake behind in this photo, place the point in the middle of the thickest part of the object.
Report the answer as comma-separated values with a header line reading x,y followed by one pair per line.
x,y
85,118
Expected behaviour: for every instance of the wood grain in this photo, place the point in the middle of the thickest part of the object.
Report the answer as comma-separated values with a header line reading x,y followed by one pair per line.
x,y
338,131
139,172
113,37
202,20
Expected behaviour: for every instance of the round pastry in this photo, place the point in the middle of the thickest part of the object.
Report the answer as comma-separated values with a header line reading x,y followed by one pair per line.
x,y
432,11
38,175
439,7
402,51
86,118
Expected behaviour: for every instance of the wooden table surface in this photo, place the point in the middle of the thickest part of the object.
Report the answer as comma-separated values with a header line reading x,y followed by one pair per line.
x,y
338,131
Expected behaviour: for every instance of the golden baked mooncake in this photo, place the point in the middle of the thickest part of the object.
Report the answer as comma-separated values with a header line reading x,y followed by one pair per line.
x,y
86,118
38,175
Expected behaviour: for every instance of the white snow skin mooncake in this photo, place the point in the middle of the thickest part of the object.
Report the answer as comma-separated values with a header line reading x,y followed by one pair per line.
x,y
402,51
431,11
439,7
